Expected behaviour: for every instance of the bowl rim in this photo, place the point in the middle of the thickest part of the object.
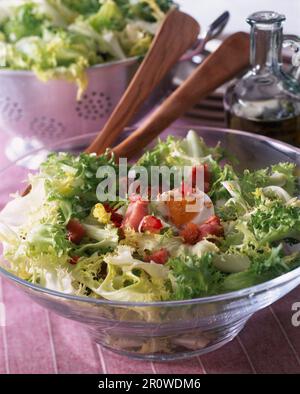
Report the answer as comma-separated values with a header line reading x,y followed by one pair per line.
x,y
29,73
230,296
249,291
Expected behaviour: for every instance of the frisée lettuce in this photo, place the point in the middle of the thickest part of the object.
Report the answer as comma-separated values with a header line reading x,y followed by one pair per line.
x,y
133,249
62,38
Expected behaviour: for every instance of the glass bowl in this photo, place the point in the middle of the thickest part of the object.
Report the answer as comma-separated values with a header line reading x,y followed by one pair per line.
x,y
174,329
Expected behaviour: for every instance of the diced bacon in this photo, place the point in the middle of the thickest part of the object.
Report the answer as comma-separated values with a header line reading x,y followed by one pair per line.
x,y
206,187
151,224
135,197
116,218
107,207
74,260
159,257
136,211
75,231
186,189
192,233
207,176
212,227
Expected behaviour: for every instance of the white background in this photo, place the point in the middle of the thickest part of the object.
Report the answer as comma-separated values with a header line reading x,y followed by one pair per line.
x,y
207,10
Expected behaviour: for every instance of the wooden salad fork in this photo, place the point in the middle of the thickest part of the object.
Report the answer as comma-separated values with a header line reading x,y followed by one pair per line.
x,y
176,35
222,65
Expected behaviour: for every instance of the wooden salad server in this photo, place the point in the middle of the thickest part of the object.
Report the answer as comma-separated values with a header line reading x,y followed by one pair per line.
x,y
222,65
176,35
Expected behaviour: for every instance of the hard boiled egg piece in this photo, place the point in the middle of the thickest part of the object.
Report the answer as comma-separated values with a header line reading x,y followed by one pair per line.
x,y
195,207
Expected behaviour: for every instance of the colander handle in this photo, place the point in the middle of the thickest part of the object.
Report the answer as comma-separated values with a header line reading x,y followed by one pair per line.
x,y
213,31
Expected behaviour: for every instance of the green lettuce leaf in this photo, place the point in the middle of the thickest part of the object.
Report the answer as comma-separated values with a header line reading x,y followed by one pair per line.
x,y
60,39
149,10
282,174
193,276
264,266
73,179
47,238
70,9
26,21
136,38
177,152
275,221
107,41
129,279
108,17
89,273
147,242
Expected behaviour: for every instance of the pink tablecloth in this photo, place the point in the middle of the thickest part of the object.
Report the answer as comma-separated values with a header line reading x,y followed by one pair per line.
x,y
37,341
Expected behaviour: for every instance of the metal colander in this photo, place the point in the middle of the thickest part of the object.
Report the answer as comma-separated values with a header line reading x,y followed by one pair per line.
x,y
47,111
36,113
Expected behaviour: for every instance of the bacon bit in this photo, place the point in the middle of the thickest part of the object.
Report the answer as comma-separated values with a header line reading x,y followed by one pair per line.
x,y
151,224
135,198
195,171
190,234
212,227
121,233
136,212
116,218
74,260
107,207
207,176
206,187
186,189
159,257
75,231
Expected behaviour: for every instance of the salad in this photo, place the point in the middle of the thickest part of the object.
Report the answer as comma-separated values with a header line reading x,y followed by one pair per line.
x,y
62,38
145,247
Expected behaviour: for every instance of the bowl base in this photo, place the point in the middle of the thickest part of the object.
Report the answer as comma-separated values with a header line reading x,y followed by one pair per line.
x,y
205,345
172,356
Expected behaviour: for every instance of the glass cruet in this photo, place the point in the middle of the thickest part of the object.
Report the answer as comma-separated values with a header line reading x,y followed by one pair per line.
x,y
266,100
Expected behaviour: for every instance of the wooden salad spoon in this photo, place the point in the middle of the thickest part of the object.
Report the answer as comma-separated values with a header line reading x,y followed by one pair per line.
x,y
226,62
176,35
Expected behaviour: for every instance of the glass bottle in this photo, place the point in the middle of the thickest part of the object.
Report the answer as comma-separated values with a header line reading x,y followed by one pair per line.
x,y
266,100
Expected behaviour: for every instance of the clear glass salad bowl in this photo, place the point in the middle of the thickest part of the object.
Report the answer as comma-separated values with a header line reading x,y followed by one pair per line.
x,y
174,329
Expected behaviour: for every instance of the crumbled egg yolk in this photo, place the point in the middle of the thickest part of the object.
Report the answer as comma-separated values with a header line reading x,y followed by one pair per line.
x,y
100,214
258,193
195,207
178,212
